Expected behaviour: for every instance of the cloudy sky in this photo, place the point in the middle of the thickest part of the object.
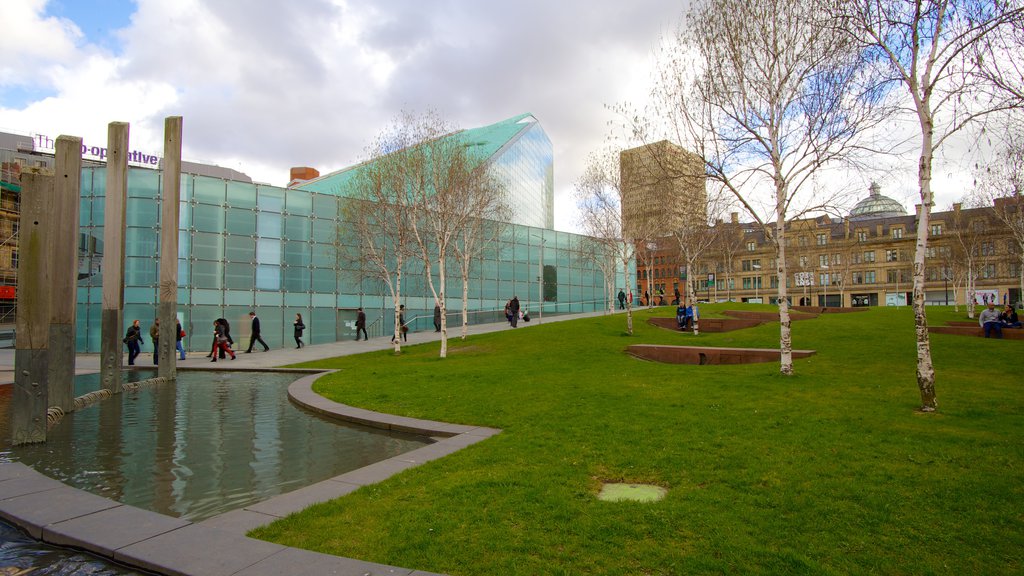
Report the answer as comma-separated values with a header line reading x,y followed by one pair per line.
x,y
264,85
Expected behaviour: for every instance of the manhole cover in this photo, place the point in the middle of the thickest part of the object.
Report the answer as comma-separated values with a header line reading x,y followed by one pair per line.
x,y
633,492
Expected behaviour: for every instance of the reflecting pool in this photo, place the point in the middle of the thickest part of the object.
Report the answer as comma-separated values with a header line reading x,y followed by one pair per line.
x,y
20,555
212,442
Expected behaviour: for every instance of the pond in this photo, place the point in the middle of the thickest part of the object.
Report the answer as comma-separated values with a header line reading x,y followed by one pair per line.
x,y
21,555
210,443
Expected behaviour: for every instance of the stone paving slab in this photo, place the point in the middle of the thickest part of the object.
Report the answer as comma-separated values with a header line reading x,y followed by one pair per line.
x,y
377,472
429,453
197,549
10,470
33,512
238,521
292,561
27,484
108,530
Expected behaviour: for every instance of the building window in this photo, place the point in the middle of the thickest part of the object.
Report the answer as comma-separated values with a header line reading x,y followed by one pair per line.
x,y
936,230
748,284
862,235
823,279
856,258
745,265
774,283
897,233
751,246
869,277
869,256
892,255
929,252
857,277
988,249
803,241
822,239
837,259
891,276
803,261
988,271
1014,268
14,259
823,260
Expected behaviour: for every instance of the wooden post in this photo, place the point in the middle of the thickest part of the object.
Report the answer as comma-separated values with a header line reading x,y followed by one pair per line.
x,y
111,322
168,293
67,195
31,357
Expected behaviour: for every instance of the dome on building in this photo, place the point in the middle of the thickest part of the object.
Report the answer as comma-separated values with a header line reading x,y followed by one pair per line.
x,y
877,206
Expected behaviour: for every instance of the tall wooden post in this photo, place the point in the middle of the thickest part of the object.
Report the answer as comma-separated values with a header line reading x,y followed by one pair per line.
x,y
31,357
111,322
168,293
67,195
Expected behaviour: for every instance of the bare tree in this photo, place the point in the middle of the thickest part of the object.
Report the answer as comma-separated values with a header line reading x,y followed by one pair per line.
x,y
379,216
599,198
931,49
1000,185
485,205
773,100
695,236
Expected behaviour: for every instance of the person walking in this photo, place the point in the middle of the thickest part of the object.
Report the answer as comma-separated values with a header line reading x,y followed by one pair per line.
x,y
178,344
227,334
513,308
220,335
133,338
437,317
622,299
255,334
361,324
299,327
154,336
402,328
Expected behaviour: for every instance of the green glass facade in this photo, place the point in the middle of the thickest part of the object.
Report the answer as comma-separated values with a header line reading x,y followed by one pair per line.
x,y
249,247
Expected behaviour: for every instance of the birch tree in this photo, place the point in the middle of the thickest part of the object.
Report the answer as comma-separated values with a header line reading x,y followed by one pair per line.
x,y
599,199
927,52
485,210
1000,185
767,93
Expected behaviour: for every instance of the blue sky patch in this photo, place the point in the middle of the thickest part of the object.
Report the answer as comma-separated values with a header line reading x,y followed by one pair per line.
x,y
97,19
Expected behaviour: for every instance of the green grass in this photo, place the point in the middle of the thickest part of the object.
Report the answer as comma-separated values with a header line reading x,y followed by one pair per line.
x,y
831,471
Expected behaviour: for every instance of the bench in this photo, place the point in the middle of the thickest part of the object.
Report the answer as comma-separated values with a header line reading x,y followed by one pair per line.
x,y
974,330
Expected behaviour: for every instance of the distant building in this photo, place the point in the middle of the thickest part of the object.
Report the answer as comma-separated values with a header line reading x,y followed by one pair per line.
x,y
663,186
863,260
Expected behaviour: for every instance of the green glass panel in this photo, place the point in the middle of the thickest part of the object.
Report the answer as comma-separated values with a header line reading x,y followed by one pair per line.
x,y
207,246
140,295
296,279
299,202
268,225
324,280
140,271
184,243
297,253
206,275
184,216
268,277
268,251
324,231
143,183
184,279
241,221
141,242
323,255
271,199
325,206
142,212
241,195
297,228
240,249
239,276
208,219
209,190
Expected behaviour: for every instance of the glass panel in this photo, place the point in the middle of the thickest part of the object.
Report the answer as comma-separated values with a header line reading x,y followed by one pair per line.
x,y
241,221
324,280
184,215
296,253
240,249
296,279
323,256
268,277
268,251
183,276
207,246
184,244
239,276
141,242
143,183
299,202
241,195
268,225
324,231
141,212
208,219
271,199
140,271
325,205
209,190
140,295
297,227
206,275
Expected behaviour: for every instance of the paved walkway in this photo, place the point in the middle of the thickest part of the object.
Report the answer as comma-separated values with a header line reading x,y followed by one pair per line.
x,y
58,514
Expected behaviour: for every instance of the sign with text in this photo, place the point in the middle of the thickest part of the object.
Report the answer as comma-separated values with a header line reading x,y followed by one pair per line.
x,y
43,143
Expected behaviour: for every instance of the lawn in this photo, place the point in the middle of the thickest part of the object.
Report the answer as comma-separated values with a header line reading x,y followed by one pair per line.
x,y
831,471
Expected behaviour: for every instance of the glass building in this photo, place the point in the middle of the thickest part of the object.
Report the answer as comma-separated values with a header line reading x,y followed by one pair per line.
x,y
245,246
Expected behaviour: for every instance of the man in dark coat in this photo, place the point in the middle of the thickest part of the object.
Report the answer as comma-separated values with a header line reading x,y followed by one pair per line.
x,y
514,309
437,317
256,334
361,325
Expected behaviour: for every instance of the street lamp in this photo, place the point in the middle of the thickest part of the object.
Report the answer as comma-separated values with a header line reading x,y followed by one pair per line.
x,y
824,285
757,282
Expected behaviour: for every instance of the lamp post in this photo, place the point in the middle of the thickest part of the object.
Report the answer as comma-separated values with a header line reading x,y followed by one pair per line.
x,y
945,285
757,282
824,287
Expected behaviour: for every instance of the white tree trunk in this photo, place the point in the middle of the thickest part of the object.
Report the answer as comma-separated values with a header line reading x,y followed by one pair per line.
x,y
925,369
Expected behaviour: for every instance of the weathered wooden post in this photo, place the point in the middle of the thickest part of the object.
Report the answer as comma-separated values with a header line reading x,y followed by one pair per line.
x,y
29,400
67,195
168,293
111,322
